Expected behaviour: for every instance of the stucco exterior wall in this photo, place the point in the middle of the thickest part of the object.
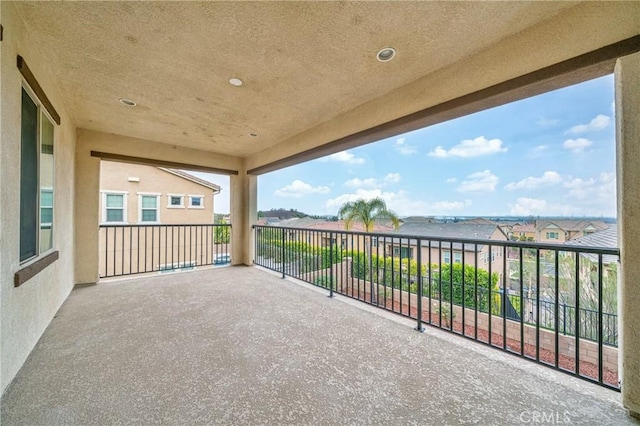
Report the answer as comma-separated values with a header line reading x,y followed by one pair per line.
x,y
26,311
115,177
628,177
542,235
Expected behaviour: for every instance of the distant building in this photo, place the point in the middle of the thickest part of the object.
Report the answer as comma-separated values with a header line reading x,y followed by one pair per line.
x,y
524,232
558,231
445,252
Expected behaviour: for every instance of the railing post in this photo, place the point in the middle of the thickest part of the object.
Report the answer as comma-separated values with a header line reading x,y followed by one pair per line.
x,y
282,253
419,304
331,264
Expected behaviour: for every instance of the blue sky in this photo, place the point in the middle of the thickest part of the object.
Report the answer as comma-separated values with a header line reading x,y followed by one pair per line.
x,y
552,154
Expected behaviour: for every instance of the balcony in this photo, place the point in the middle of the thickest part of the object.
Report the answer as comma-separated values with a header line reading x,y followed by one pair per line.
x,y
564,317
240,345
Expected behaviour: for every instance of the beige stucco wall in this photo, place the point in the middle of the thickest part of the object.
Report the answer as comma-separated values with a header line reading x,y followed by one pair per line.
x,y
244,214
115,177
542,235
628,182
26,311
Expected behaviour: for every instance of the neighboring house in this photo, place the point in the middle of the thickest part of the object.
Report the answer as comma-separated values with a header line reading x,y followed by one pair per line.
x,y
445,252
479,221
349,241
325,239
559,231
139,194
132,194
589,273
524,232
420,219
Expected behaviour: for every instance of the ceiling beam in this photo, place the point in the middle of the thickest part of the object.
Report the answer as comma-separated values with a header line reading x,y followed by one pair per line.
x,y
160,163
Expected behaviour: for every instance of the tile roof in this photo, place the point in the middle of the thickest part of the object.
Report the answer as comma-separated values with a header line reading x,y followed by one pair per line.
x,y
572,224
297,222
192,178
452,230
355,226
479,221
449,230
607,238
527,227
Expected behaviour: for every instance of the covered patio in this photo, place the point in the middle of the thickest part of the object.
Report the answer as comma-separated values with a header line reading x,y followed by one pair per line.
x,y
244,89
240,345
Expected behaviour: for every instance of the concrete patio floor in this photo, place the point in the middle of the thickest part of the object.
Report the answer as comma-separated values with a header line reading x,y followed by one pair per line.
x,y
242,346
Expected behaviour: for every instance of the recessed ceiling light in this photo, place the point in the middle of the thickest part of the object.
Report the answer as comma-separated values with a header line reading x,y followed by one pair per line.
x,y
127,102
386,54
235,82
253,135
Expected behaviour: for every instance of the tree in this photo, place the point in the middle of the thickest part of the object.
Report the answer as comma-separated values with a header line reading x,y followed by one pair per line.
x,y
221,232
368,212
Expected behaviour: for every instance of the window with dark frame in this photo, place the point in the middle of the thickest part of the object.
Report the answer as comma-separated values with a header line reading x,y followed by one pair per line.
x,y
195,201
36,179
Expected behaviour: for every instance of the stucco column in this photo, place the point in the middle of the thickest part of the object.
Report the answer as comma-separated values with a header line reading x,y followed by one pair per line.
x,y
244,212
627,80
87,214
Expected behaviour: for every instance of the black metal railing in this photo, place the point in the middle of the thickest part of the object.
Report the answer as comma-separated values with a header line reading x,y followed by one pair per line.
x,y
138,249
524,298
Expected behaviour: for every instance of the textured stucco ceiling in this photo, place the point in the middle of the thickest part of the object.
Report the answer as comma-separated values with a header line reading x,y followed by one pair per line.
x,y
302,63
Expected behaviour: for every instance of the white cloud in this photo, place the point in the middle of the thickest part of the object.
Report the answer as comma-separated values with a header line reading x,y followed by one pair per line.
x,y
403,148
399,202
599,122
600,189
343,157
577,145
446,207
537,151
531,182
528,206
392,178
452,180
298,188
362,183
372,183
479,182
469,148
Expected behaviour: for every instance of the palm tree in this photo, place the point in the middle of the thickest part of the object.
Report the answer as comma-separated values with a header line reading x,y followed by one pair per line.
x,y
368,212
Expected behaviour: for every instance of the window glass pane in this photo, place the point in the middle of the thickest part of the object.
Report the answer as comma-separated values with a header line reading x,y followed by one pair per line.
x,y
46,198
149,202
176,201
46,183
148,215
115,200
28,178
46,216
196,201
114,215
